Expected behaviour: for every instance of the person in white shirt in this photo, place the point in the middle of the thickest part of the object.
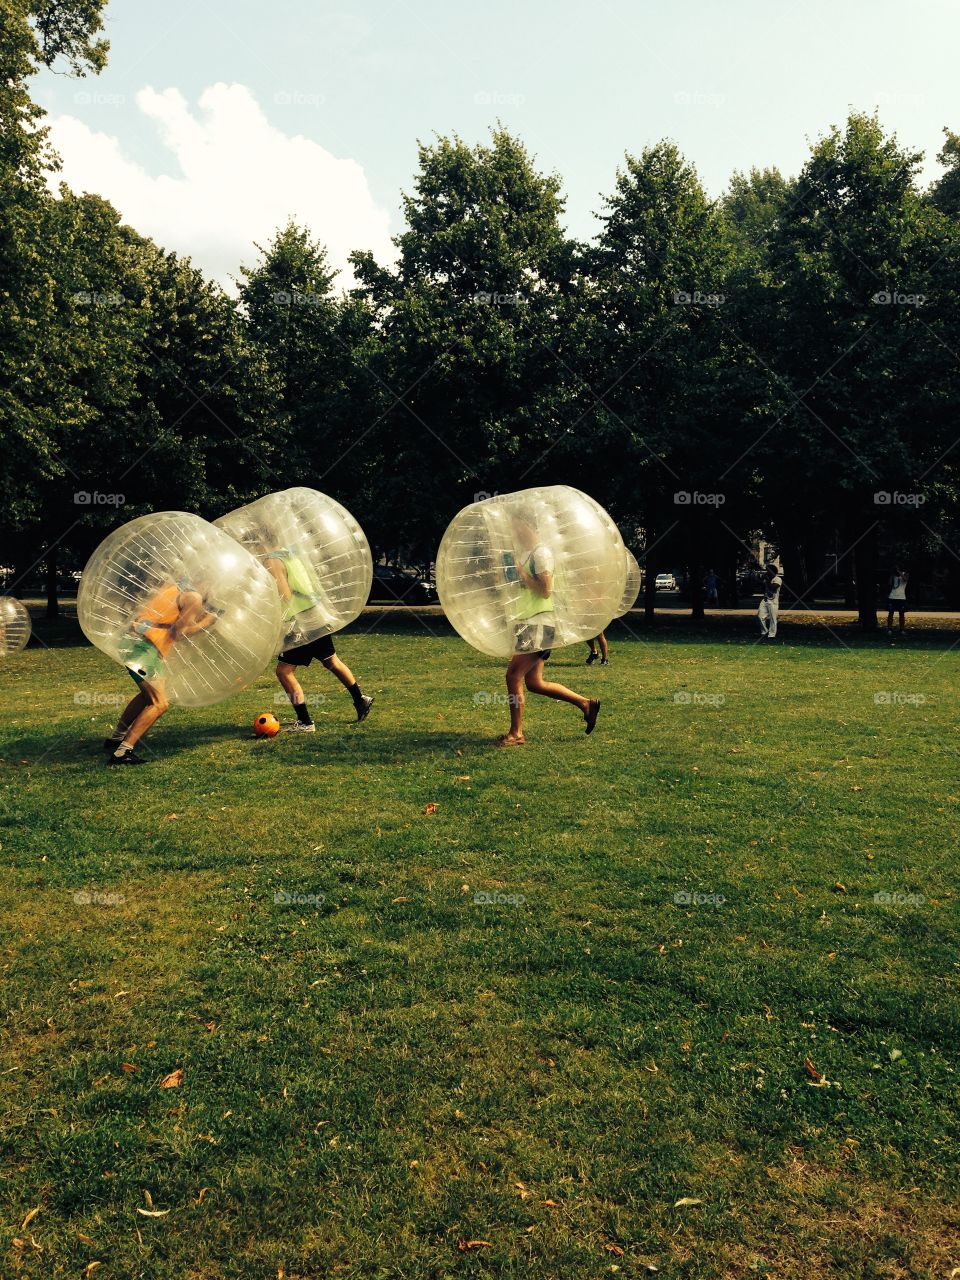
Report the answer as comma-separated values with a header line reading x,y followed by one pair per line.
x,y
897,599
770,604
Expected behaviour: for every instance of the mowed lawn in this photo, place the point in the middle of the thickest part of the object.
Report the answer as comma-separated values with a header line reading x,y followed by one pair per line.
x,y
386,1002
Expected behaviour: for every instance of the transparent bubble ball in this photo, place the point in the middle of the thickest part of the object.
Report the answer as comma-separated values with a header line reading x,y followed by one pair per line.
x,y
15,626
316,553
140,578
554,530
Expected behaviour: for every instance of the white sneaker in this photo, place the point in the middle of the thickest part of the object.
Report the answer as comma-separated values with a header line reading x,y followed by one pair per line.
x,y
296,727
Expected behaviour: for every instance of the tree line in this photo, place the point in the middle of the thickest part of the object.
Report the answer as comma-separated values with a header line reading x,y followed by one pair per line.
x,y
783,361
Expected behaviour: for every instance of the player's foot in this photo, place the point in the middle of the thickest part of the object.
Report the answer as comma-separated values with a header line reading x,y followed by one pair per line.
x,y
593,710
297,726
510,740
604,662
363,709
111,744
128,757
591,659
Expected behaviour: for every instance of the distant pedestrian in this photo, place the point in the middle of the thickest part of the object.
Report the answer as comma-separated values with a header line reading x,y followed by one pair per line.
x,y
770,604
897,599
710,588
603,653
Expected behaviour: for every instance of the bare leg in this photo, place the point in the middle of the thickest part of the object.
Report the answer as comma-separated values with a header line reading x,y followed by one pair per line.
x,y
290,683
130,713
602,640
520,664
340,670
156,704
549,689
903,619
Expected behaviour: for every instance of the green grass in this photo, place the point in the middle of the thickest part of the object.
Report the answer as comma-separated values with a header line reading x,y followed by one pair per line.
x,y
375,1078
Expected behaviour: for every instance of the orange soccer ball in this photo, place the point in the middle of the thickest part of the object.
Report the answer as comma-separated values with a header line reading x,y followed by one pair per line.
x,y
266,726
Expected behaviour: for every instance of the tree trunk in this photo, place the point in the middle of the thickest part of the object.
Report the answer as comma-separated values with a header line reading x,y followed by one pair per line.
x,y
650,585
53,601
865,558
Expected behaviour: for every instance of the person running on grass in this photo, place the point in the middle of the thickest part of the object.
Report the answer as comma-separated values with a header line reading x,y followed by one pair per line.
x,y
769,609
304,606
602,654
177,611
534,630
897,599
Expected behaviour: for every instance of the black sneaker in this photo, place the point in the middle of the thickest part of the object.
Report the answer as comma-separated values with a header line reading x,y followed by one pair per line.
x,y
591,659
363,710
128,757
604,662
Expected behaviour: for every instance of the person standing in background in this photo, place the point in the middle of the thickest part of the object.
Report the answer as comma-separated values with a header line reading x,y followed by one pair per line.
x,y
897,599
770,604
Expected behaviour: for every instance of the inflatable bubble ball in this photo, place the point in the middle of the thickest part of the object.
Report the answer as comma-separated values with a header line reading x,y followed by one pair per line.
x,y
536,569
15,626
632,589
179,604
316,553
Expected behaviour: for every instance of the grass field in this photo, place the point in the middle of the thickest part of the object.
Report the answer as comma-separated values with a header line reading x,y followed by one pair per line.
x,y
260,1020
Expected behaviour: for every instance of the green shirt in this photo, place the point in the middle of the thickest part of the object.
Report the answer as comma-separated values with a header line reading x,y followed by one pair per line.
x,y
529,604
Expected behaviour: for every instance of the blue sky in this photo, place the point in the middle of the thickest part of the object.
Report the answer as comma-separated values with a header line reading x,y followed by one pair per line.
x,y
330,99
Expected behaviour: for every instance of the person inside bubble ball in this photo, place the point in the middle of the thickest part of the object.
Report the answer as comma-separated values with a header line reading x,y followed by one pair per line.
x,y
175,612
303,604
534,630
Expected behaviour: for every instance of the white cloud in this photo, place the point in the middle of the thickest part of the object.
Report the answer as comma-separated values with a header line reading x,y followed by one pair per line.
x,y
236,180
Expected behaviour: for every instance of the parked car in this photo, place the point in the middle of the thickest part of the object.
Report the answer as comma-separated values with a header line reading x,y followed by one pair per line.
x,y
666,582
401,586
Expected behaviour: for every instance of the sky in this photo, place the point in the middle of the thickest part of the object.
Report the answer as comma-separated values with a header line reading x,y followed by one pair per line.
x,y
217,120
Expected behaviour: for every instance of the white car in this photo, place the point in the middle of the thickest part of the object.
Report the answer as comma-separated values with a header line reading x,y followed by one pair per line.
x,y
666,582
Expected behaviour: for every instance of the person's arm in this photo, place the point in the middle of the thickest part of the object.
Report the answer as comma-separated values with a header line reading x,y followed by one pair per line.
x,y
193,618
279,573
540,583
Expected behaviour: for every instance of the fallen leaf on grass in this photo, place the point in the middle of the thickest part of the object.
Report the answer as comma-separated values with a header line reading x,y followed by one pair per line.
x,y
551,1204
154,1213
174,1080
400,899
686,1201
91,1267
30,1217
84,1239
465,1245
522,1191
130,1068
431,807
171,817
811,1070
615,1249
203,1192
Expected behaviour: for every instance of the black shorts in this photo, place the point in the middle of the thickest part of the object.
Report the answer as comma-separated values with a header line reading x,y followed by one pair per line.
x,y
896,606
534,637
304,654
